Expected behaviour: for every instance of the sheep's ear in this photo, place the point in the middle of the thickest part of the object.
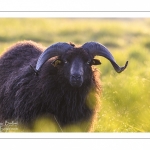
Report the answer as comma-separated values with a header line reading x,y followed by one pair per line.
x,y
56,62
95,62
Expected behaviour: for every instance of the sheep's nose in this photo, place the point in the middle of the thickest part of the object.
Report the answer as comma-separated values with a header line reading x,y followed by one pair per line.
x,y
76,80
76,77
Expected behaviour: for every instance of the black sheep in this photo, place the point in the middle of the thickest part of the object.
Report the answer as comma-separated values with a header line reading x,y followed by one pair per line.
x,y
54,83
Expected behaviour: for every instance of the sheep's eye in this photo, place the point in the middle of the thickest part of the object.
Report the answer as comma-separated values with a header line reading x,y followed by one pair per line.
x,y
65,61
93,62
88,62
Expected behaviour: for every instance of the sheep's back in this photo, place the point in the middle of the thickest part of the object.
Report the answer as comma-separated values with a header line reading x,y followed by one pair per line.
x,y
18,56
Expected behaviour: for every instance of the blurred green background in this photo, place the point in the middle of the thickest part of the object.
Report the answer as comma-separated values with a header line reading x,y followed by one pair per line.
x,y
125,100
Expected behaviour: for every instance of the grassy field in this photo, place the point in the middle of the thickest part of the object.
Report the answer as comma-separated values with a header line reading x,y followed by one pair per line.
x,y
125,102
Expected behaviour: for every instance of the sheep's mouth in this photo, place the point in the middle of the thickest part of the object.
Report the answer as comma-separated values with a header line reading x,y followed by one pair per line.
x,y
76,83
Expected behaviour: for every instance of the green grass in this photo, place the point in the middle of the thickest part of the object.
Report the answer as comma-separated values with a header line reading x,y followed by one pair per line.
x,y
125,101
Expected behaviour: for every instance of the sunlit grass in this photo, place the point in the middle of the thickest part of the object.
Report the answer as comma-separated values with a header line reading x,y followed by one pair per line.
x,y
125,101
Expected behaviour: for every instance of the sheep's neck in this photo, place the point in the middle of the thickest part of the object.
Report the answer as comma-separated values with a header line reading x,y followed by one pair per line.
x,y
72,106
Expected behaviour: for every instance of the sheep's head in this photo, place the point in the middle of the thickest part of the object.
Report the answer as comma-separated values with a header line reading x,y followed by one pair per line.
x,y
77,61
75,65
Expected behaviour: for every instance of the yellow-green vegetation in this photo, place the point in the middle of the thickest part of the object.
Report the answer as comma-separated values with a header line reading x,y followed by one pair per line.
x,y
125,100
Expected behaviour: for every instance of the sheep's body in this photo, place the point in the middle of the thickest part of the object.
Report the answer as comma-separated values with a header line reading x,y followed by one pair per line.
x,y
25,97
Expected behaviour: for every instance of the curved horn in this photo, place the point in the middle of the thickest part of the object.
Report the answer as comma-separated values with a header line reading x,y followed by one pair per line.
x,y
54,50
98,49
